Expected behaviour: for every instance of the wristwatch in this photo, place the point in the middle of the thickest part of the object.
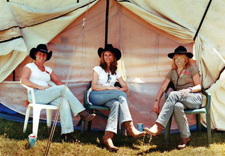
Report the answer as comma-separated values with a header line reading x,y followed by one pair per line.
x,y
156,100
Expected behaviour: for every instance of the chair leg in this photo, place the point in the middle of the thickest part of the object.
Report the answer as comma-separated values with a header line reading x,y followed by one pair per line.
x,y
26,119
90,122
36,117
208,121
167,130
123,129
198,123
118,123
83,123
49,117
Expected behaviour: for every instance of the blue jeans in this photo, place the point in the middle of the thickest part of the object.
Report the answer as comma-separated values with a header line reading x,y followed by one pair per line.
x,y
70,103
175,104
116,100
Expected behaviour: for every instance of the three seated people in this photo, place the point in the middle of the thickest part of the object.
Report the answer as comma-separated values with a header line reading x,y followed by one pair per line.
x,y
184,76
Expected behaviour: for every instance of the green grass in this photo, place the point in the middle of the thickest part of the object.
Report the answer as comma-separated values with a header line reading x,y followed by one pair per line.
x,y
13,142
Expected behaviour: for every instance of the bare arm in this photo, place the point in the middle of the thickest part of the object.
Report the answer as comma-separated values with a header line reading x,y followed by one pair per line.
x,y
55,79
97,87
122,84
159,95
25,79
197,82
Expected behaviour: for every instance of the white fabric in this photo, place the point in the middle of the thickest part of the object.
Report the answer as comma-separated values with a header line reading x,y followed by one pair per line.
x,y
39,77
103,79
145,32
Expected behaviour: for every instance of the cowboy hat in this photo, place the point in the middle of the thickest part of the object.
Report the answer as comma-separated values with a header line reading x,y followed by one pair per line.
x,y
110,48
41,48
180,50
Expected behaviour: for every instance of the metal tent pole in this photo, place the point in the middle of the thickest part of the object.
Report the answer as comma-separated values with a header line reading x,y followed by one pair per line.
x,y
206,10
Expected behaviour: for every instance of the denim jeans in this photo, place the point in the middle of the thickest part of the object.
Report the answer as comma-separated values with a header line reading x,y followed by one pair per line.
x,y
175,104
116,100
70,103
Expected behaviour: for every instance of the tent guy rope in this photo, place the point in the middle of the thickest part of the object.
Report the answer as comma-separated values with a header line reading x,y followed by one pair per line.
x,y
66,83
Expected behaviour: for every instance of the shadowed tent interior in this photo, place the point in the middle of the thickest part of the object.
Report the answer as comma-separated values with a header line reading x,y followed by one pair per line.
x,y
145,32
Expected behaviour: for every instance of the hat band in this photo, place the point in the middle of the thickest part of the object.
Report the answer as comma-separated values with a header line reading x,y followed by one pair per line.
x,y
42,50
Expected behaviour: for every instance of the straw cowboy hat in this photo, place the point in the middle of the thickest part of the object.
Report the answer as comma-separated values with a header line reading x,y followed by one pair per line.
x,y
110,48
180,50
41,48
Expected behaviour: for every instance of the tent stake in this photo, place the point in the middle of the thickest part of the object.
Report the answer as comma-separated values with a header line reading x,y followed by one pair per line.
x,y
106,22
206,10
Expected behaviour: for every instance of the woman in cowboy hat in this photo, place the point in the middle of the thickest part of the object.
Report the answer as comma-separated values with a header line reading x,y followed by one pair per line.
x,y
37,76
103,92
187,83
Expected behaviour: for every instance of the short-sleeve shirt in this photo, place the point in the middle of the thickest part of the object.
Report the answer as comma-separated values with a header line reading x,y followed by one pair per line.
x,y
104,79
39,77
184,81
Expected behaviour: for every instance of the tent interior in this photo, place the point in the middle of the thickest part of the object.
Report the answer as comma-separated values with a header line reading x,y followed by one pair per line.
x,y
144,31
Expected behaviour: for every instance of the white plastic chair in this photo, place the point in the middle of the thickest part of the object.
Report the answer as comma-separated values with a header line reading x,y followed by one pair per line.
x,y
36,112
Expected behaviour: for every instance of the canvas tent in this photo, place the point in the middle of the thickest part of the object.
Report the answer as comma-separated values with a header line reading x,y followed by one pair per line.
x,y
145,31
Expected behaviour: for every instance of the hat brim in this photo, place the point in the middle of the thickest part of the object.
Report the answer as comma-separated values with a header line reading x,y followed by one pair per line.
x,y
34,50
188,54
116,52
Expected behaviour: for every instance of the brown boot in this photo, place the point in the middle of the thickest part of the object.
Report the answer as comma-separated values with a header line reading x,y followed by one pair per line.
x,y
156,129
85,116
183,143
132,131
107,141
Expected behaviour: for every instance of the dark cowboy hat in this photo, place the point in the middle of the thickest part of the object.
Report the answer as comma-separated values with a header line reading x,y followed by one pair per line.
x,y
110,48
180,50
42,48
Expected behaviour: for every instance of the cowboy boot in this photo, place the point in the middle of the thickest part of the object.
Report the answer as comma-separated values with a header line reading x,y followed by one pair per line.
x,y
183,143
107,141
132,131
156,129
85,116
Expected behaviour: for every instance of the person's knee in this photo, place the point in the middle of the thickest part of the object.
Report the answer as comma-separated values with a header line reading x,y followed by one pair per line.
x,y
65,104
174,95
178,107
115,104
123,94
63,87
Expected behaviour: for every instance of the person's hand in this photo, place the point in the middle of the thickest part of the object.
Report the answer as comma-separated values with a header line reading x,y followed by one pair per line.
x,y
184,92
156,107
43,87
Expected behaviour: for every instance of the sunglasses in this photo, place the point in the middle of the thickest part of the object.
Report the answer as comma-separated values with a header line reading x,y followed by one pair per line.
x,y
109,78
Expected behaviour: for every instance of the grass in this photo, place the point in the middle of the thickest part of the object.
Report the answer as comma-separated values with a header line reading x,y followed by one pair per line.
x,y
13,142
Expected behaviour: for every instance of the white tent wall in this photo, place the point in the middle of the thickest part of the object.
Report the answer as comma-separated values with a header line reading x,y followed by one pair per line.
x,y
143,31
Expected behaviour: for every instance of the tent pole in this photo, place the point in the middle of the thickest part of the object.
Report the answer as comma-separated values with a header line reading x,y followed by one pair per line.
x,y
106,22
206,10
14,73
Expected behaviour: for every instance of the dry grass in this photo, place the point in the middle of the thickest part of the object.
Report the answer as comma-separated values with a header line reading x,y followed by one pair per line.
x,y
13,142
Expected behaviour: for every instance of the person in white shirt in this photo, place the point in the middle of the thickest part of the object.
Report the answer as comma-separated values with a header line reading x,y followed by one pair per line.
x,y
37,76
103,92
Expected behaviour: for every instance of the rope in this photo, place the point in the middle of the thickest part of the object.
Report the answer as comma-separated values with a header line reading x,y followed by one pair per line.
x,y
65,86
